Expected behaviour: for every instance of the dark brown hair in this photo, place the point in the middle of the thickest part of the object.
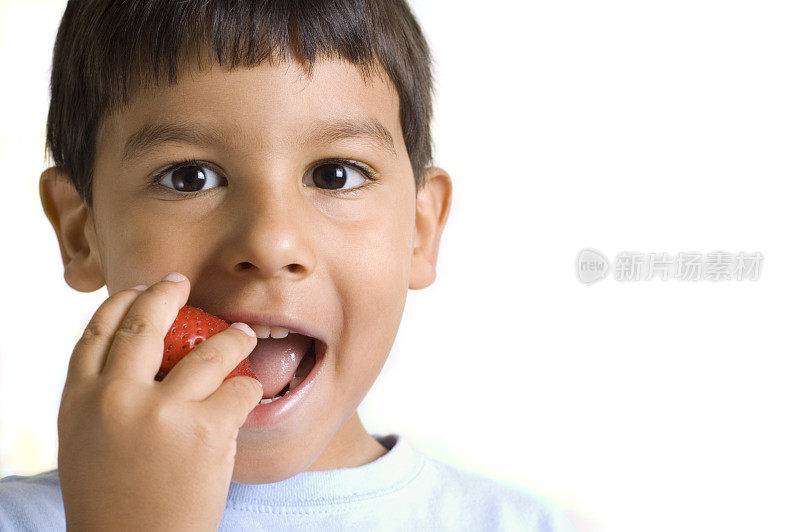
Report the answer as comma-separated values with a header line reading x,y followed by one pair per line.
x,y
106,48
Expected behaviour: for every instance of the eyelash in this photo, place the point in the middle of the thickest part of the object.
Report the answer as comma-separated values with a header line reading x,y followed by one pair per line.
x,y
368,173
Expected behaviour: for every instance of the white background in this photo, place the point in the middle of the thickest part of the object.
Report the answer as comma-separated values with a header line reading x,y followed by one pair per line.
x,y
624,126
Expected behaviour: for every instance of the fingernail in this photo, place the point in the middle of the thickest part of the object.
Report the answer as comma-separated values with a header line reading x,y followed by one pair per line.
x,y
139,287
243,327
260,394
175,277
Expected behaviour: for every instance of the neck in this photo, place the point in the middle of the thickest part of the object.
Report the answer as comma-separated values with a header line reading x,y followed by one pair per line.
x,y
352,446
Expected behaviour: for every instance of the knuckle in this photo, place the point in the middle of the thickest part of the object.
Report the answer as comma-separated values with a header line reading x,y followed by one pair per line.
x,y
112,390
164,420
136,325
70,403
205,434
95,329
161,416
208,353
112,401
230,454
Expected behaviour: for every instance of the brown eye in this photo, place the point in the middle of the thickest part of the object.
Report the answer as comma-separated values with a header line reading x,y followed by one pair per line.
x,y
190,178
334,176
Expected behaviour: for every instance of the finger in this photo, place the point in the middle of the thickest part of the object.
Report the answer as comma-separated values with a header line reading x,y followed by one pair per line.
x,y
90,351
200,372
138,347
234,400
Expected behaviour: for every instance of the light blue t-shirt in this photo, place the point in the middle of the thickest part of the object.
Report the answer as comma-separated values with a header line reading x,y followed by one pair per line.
x,y
402,490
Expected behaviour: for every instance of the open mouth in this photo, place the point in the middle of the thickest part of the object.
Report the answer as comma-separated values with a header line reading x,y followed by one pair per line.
x,y
281,366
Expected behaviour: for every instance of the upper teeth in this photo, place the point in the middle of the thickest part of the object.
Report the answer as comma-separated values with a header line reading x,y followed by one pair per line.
x,y
265,331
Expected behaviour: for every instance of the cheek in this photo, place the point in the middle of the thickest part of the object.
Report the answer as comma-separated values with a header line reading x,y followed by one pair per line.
x,y
138,247
372,275
377,254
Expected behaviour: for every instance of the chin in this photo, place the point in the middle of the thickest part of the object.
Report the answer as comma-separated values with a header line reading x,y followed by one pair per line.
x,y
247,472
258,462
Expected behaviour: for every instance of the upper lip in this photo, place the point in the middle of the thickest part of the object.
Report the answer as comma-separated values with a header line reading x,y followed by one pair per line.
x,y
273,320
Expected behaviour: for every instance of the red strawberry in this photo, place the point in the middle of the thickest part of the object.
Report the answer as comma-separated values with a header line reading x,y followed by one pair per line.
x,y
191,327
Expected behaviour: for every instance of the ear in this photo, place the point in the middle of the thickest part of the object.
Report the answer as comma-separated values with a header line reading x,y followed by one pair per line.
x,y
433,206
73,223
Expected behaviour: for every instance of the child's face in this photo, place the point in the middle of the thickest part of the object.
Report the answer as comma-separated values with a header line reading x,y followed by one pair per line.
x,y
265,236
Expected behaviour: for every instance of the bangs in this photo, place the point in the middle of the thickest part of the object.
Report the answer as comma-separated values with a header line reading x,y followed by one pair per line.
x,y
107,50
168,36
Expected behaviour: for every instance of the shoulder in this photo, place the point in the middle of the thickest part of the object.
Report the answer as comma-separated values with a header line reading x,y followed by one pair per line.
x,y
31,502
490,503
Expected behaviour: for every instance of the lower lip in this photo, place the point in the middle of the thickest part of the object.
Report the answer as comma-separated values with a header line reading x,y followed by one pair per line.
x,y
274,413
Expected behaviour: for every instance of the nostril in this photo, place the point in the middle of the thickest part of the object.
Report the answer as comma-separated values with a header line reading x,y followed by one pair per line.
x,y
244,266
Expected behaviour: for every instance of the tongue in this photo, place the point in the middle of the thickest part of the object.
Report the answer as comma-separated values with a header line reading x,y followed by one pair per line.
x,y
274,361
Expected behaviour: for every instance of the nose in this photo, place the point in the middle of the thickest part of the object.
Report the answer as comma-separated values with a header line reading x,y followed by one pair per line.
x,y
269,233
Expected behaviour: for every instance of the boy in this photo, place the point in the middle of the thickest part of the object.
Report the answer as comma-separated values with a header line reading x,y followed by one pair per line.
x,y
309,210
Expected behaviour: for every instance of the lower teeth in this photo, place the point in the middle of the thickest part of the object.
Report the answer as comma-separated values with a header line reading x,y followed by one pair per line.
x,y
280,394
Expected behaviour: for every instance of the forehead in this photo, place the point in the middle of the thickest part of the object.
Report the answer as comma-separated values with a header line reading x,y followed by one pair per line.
x,y
264,107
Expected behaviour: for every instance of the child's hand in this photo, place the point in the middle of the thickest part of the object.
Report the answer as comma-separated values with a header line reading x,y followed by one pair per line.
x,y
136,453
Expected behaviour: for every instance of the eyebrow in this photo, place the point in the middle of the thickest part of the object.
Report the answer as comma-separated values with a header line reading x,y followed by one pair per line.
x,y
320,132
